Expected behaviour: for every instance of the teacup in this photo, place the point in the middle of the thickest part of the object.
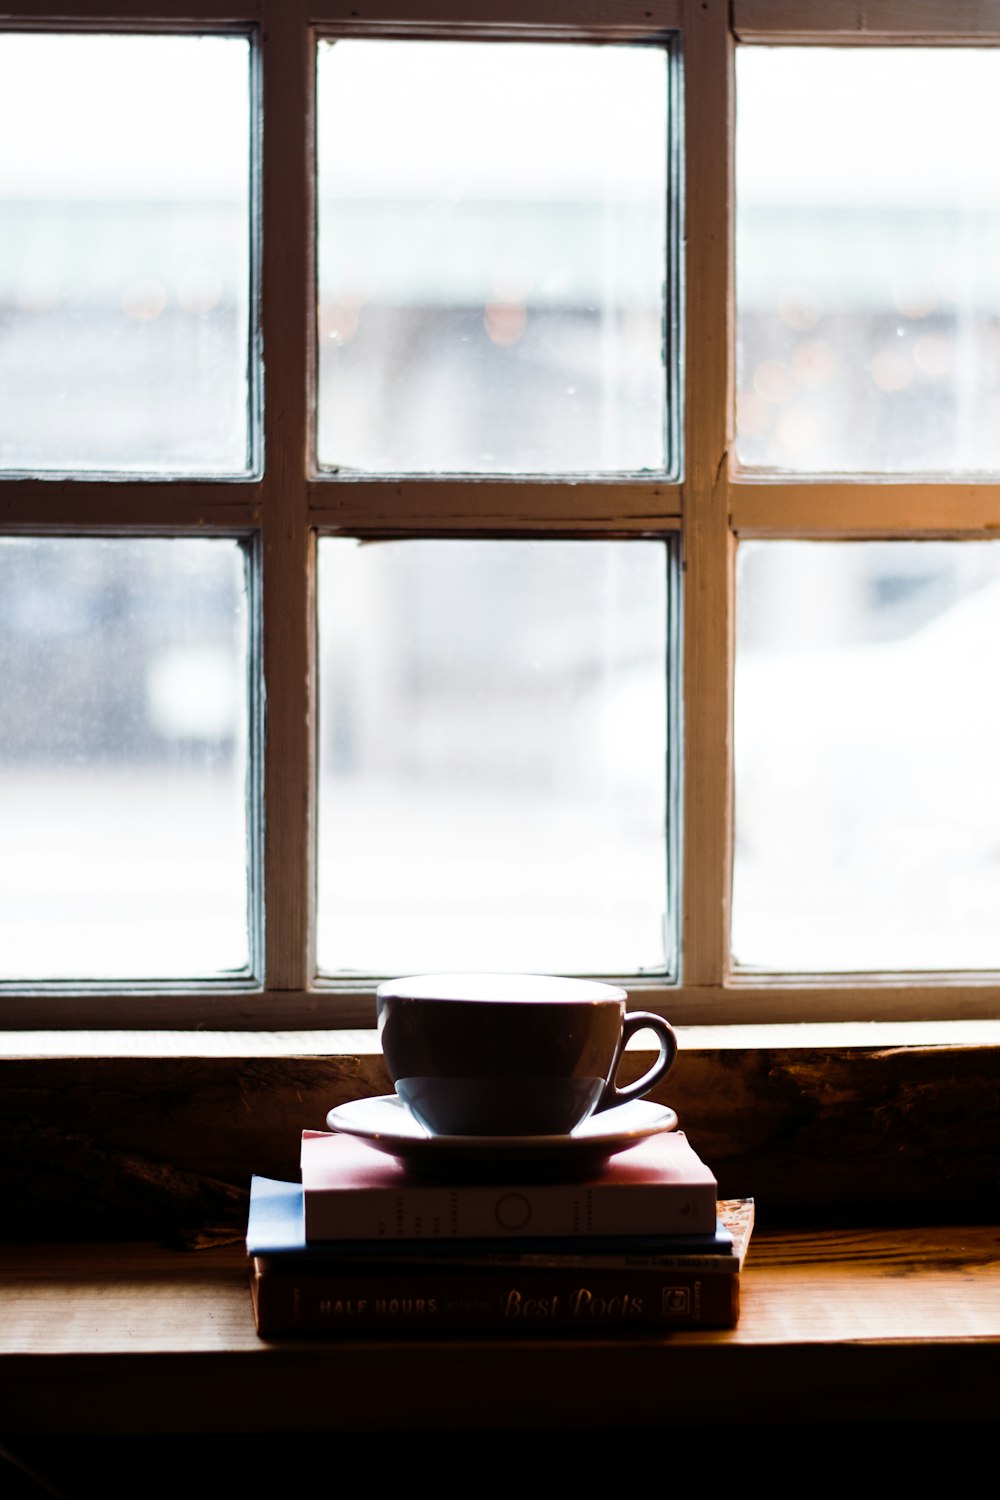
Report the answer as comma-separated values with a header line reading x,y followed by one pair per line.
x,y
511,1054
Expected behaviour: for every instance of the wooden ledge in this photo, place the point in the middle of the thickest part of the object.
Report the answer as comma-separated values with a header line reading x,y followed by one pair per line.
x,y
363,1041
836,1326
132,1134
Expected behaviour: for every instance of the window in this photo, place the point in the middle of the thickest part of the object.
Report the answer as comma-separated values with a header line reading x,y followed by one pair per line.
x,y
124,681
497,489
865,814
476,805
126,253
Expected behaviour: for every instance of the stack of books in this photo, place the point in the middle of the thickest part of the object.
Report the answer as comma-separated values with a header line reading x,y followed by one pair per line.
x,y
364,1244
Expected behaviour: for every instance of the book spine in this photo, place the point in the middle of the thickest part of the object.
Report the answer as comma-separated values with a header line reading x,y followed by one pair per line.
x,y
554,1210
394,1258
533,1300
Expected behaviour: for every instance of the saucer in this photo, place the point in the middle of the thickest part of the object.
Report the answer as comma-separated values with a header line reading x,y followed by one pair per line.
x,y
385,1123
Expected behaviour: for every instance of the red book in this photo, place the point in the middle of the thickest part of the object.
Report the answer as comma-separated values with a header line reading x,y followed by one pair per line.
x,y
351,1191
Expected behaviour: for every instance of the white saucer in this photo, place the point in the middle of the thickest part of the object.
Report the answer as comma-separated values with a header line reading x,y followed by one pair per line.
x,y
386,1124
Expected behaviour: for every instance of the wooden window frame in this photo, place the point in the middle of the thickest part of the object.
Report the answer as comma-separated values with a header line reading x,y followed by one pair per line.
x,y
289,503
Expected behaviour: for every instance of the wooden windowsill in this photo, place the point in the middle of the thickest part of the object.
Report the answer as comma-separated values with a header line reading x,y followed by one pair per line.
x,y
836,1326
363,1041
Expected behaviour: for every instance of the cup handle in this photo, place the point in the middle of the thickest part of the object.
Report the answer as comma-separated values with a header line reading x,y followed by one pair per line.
x,y
641,1020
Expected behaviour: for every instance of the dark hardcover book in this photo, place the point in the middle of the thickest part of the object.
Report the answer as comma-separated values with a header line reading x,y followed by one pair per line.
x,y
658,1186
276,1234
539,1300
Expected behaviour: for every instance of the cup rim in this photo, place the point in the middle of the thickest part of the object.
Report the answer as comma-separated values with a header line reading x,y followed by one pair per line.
x,y
500,987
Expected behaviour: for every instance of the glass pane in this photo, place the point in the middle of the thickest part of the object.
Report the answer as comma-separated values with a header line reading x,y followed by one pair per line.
x,y
493,740
866,734
492,253
868,259
124,253
123,753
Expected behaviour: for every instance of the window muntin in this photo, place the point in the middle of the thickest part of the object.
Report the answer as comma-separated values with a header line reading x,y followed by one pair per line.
x,y
867,240
492,257
867,719
493,756
124,253
124,675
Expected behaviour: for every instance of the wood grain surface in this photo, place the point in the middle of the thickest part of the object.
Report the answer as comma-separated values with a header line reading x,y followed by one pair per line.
x,y
165,1145
835,1326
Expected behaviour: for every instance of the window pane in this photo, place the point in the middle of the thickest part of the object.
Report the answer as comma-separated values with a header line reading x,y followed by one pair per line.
x,y
492,253
124,253
868,259
493,741
866,734
123,752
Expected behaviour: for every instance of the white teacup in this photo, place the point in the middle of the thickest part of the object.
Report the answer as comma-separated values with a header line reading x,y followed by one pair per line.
x,y
511,1054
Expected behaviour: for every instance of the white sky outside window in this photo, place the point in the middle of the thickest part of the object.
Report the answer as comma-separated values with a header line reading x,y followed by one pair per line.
x,y
124,253
123,758
867,256
867,719
868,260
493,756
492,257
